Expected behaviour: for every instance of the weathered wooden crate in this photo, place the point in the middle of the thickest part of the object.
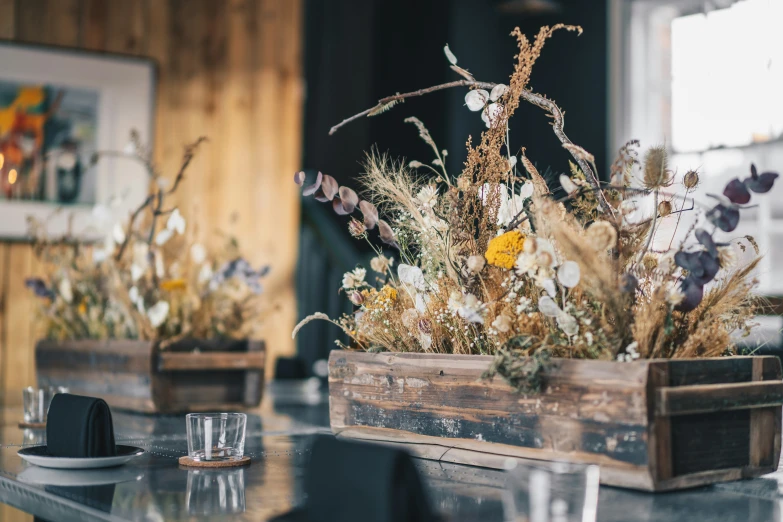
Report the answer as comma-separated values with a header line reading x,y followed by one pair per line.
x,y
652,425
193,375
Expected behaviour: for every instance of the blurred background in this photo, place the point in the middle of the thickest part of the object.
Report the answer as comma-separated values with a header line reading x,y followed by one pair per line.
x,y
265,80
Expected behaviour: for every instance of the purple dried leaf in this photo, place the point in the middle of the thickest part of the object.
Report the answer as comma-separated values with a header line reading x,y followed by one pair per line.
x,y
737,192
710,268
350,199
761,183
724,217
704,237
337,205
370,214
689,261
311,189
386,232
329,187
320,196
299,178
693,292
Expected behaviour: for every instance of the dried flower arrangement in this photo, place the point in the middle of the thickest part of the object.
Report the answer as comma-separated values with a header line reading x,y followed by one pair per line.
x,y
148,279
495,261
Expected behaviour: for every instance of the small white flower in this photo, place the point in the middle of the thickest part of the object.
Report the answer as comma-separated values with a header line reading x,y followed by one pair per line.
x,y
476,99
354,279
133,294
502,323
65,289
632,351
498,91
472,309
491,113
118,234
568,274
674,295
569,186
176,222
160,268
158,313
476,264
163,236
525,263
198,253
136,272
381,263
205,274
456,300
449,55
427,197
99,255
666,264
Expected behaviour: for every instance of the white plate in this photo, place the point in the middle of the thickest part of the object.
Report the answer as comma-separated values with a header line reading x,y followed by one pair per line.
x,y
79,477
39,456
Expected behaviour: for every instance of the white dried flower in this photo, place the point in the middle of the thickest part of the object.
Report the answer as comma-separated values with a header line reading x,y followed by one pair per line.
x,y
497,92
205,274
176,222
568,274
136,272
491,113
133,294
381,263
476,99
65,289
476,264
456,300
163,236
449,55
502,323
158,313
118,234
568,185
354,278
525,263
472,310
674,295
666,264
198,253
160,268
427,197
727,257
411,275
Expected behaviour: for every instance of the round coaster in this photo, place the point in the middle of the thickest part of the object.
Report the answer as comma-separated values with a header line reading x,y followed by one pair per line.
x,y
188,462
32,425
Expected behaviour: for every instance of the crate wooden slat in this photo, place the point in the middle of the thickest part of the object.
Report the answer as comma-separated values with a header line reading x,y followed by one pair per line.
x,y
652,425
192,375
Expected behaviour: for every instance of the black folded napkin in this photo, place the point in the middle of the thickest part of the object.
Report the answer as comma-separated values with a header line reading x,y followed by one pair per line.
x,y
355,482
79,427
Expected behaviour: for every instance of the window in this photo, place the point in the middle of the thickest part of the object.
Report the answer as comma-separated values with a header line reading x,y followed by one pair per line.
x,y
705,77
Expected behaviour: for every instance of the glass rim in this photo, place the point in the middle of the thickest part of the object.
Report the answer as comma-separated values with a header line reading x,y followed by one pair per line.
x,y
215,415
552,466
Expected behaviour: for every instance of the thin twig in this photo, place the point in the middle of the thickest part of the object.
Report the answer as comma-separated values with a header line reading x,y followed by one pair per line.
x,y
536,99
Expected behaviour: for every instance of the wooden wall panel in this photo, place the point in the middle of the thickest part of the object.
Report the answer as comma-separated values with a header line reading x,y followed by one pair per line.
x,y
230,70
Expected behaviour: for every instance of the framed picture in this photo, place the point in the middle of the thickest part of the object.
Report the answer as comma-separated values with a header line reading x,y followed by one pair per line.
x,y
58,108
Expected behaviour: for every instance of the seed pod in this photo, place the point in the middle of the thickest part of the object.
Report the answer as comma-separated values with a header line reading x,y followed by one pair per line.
x,y
664,208
656,169
691,179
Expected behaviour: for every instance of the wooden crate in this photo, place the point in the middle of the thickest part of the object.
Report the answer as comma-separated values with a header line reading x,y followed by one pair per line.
x,y
651,425
192,375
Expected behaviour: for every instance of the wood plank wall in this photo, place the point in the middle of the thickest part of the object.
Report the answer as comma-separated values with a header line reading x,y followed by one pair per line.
x,y
228,69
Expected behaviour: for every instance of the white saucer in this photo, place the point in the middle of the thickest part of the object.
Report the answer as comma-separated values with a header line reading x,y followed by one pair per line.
x,y
39,456
79,477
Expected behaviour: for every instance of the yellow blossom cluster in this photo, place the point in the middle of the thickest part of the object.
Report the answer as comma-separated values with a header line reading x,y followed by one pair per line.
x,y
503,250
379,299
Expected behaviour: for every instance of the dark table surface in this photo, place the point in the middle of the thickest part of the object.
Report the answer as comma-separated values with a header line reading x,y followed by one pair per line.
x,y
153,487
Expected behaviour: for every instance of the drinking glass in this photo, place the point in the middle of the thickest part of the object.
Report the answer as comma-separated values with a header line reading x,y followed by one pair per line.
x,y
37,402
216,436
216,492
551,492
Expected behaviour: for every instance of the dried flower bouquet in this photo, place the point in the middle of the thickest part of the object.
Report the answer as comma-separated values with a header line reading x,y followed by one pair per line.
x,y
148,279
497,261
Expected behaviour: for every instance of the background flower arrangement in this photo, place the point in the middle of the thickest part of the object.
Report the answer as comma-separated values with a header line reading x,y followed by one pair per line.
x,y
148,279
501,260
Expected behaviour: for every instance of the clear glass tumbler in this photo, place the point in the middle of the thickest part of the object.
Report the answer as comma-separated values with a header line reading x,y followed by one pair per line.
x,y
551,492
216,436
37,402
216,492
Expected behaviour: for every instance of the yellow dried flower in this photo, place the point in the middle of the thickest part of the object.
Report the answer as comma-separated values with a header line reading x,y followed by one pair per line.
x,y
173,284
83,307
379,299
503,250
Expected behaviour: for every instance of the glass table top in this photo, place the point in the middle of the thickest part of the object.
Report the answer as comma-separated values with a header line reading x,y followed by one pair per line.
x,y
153,487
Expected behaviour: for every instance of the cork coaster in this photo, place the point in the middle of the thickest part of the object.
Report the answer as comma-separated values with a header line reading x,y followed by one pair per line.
x,y
32,425
188,462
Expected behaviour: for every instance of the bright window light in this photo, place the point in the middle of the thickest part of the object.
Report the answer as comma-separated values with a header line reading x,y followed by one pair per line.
x,y
727,76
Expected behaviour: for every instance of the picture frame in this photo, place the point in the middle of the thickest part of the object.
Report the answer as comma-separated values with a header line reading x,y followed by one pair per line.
x,y
59,107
